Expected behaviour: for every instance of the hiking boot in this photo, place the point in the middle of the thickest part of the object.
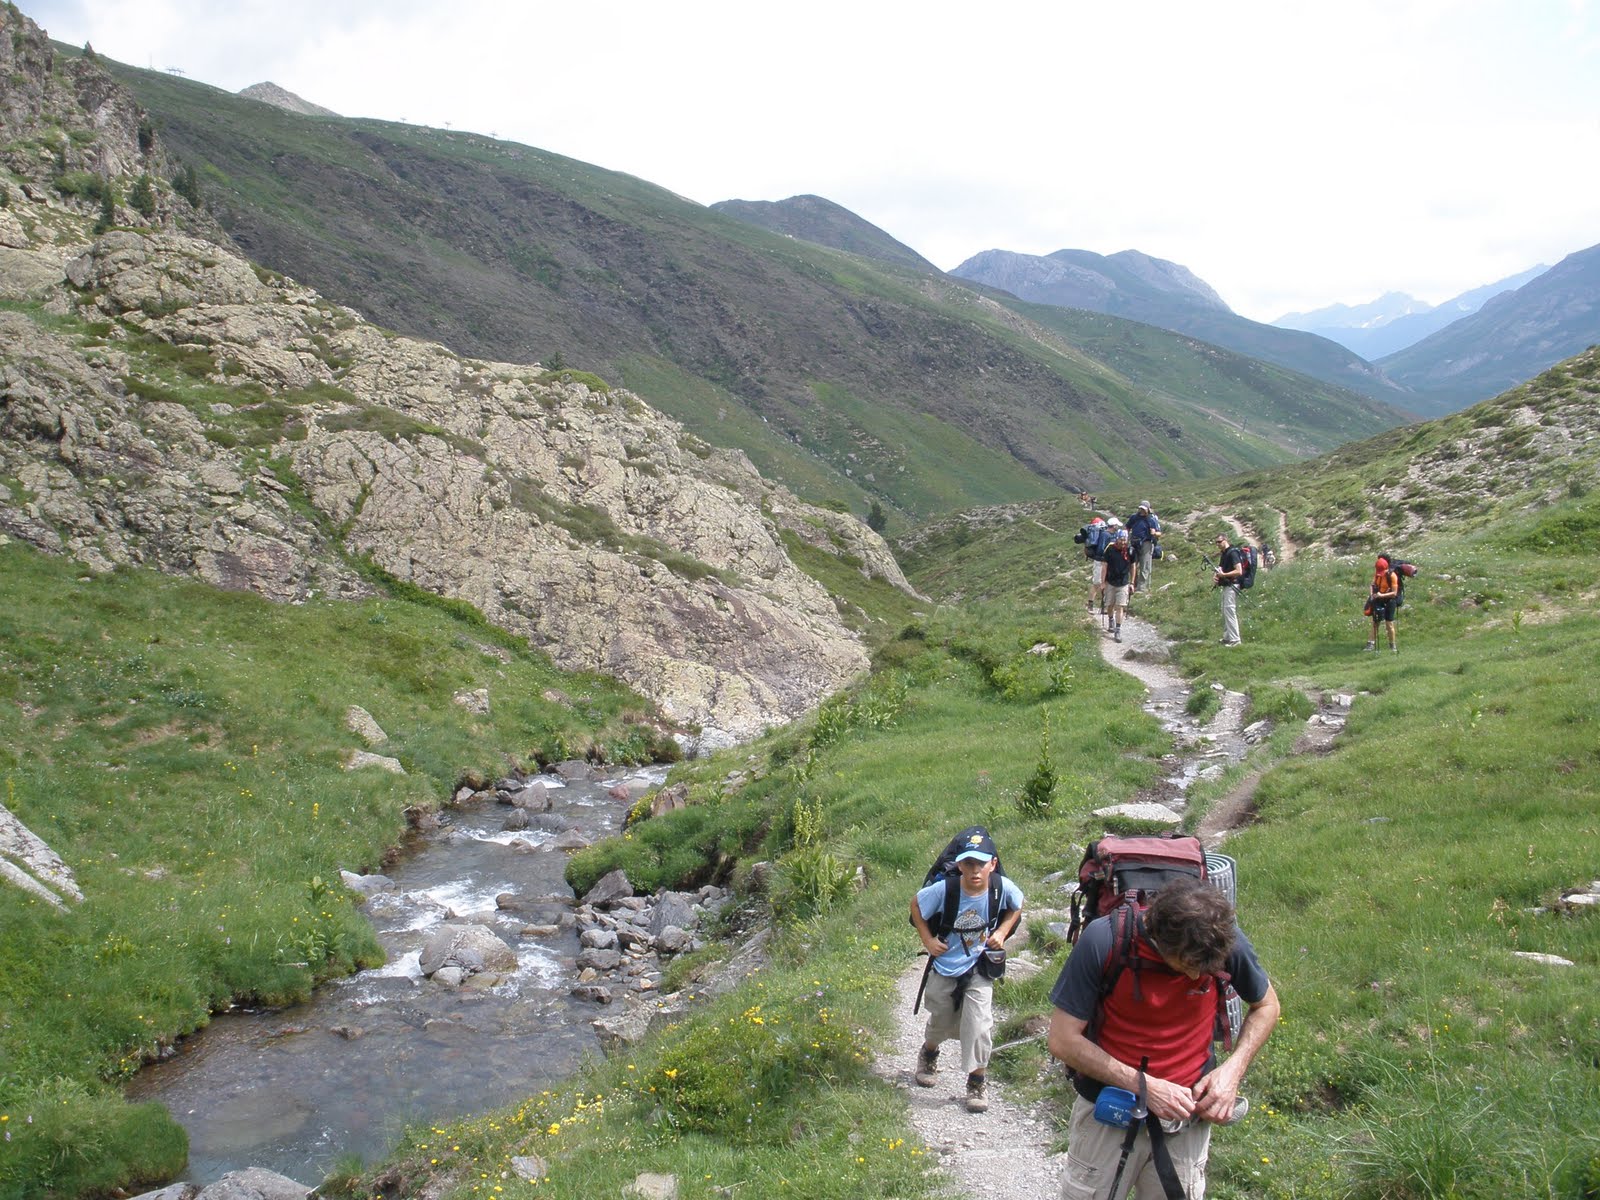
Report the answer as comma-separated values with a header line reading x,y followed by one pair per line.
x,y
1394,649
977,1096
1372,645
1118,636
927,1067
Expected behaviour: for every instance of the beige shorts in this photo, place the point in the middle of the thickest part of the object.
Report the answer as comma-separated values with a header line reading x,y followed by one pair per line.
x,y
1117,597
1097,572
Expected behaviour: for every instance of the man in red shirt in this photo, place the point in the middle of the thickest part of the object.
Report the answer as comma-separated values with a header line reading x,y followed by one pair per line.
x,y
1160,1012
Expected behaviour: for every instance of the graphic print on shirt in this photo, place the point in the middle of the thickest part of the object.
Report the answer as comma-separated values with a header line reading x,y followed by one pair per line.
x,y
972,927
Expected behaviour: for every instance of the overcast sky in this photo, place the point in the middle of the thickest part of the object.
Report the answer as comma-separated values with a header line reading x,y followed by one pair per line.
x,y
1291,154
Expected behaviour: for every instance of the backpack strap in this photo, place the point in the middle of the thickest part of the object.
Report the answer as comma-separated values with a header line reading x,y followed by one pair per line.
x,y
952,904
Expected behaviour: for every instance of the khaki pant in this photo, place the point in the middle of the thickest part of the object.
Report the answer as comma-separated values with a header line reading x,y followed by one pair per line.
x,y
1230,613
1093,1150
974,1024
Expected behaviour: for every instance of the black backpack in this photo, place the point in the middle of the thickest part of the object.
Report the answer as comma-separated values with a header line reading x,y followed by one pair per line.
x,y
1403,571
1248,556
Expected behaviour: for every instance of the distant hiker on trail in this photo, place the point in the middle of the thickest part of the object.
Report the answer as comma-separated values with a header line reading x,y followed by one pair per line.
x,y
1381,602
971,918
1122,570
1144,532
1151,1035
1230,570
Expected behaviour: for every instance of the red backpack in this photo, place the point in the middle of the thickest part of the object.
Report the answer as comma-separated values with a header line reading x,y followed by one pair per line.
x,y
1117,878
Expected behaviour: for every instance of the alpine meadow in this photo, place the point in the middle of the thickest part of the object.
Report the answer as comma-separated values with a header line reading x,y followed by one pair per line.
x,y
307,419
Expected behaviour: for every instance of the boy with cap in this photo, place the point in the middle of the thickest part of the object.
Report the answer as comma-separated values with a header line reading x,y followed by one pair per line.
x,y
960,997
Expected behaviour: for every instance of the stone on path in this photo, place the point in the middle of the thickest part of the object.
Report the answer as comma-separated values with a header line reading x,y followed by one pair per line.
x,y
1158,814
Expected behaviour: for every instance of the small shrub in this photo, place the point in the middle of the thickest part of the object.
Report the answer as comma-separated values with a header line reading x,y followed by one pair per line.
x,y
811,882
735,1078
1037,798
1202,703
142,198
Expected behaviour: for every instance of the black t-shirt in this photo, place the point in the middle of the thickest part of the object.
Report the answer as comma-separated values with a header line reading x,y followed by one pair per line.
x,y
1232,557
1119,565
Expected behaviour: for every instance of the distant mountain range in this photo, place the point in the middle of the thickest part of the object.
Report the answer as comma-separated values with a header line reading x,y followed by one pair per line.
x,y
1141,288
1395,320
1468,349
1511,339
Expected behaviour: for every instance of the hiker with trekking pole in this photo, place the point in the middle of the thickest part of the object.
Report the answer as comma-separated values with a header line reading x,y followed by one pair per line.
x,y
1236,571
1382,600
1142,996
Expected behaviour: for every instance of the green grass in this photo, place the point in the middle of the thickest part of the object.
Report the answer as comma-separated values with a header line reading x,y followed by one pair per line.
x,y
181,749
1387,884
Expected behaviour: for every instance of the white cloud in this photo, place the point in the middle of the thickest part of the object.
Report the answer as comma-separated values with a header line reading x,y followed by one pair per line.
x,y
1291,155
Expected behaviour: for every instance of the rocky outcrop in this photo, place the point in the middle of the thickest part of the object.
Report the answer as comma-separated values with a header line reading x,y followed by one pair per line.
x,y
575,516
281,97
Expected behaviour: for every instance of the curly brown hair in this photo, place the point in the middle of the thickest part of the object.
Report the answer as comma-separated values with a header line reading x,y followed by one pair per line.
x,y
1191,923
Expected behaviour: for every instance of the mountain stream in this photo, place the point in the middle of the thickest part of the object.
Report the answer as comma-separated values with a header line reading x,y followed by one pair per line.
x,y
297,1089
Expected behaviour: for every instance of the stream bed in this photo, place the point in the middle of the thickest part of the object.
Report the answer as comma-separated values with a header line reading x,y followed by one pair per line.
x,y
295,1090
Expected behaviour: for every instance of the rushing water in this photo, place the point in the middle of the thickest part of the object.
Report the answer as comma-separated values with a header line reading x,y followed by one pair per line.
x,y
296,1089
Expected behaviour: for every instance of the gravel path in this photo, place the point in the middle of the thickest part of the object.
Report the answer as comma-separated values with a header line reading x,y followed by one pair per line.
x,y
1002,1154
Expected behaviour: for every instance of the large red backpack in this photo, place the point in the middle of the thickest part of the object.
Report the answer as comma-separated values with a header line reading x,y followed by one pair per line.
x,y
1118,878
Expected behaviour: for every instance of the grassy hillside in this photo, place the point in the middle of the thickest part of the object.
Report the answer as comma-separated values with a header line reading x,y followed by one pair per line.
x,y
181,749
819,364
814,219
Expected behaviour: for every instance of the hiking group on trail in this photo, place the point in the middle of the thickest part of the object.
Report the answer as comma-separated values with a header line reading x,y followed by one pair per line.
x,y
1159,973
1120,561
1122,556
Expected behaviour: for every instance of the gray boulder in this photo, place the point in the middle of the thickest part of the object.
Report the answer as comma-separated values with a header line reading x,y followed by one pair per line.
x,y
471,948
611,887
599,960
254,1183
622,1028
673,908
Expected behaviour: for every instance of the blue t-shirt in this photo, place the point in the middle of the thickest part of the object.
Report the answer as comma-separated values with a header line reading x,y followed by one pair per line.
x,y
966,941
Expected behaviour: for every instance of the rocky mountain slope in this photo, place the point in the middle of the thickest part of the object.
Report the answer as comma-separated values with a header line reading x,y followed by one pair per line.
x,y
851,379
1140,288
270,93
164,402
1510,339
814,219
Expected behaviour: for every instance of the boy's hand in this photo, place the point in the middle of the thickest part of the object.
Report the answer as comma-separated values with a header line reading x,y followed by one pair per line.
x,y
934,946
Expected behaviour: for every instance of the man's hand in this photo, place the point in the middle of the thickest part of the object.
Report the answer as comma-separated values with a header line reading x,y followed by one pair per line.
x,y
1215,1094
1171,1101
